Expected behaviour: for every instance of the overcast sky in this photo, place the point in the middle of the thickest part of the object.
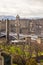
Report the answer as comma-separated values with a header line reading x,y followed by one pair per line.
x,y
25,8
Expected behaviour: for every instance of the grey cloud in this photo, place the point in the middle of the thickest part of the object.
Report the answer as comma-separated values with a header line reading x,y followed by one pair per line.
x,y
24,8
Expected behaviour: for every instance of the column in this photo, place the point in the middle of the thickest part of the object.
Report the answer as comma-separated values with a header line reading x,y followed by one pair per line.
x,y
7,31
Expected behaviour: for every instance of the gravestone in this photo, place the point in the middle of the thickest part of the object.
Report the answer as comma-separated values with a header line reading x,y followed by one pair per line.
x,y
7,58
1,60
11,60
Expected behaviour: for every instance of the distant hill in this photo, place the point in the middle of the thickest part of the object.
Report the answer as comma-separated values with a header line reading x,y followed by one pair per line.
x,y
13,18
7,17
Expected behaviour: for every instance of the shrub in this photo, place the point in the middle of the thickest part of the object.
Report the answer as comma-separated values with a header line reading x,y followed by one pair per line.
x,y
31,62
17,59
